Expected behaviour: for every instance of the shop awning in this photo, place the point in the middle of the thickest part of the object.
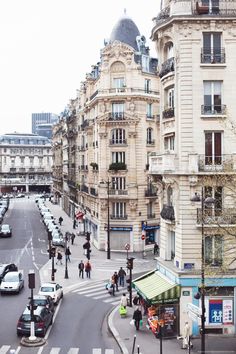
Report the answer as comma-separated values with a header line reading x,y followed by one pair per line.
x,y
156,288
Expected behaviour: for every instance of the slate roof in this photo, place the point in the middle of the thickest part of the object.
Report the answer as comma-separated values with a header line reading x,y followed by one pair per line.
x,y
125,31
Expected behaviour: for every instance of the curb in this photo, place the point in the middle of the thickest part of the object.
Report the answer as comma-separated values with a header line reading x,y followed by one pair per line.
x,y
114,332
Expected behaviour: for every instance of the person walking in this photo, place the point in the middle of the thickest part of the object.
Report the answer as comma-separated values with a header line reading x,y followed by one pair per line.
x,y
121,276
68,253
115,278
81,269
156,249
123,300
74,223
88,269
137,317
59,257
72,237
60,220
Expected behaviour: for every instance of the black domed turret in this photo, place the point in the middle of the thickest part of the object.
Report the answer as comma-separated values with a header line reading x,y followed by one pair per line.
x,y
125,31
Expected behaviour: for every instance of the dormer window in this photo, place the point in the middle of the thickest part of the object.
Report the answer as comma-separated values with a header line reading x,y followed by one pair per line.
x,y
145,63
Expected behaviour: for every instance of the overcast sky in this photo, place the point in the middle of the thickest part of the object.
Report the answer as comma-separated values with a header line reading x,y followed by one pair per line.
x,y
47,47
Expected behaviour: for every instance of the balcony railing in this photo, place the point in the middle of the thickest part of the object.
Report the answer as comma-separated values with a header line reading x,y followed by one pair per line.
x,y
71,184
116,116
168,213
167,67
213,57
119,217
118,141
168,113
215,7
150,193
117,166
93,191
213,109
223,163
150,142
214,216
151,216
118,192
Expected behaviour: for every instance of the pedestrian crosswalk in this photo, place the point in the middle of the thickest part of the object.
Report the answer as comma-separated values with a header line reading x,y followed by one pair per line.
x,y
7,349
97,291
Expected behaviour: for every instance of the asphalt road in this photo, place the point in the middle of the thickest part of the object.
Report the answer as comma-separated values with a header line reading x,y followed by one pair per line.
x,y
79,322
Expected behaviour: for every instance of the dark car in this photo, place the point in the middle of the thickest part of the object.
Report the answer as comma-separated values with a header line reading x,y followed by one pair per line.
x,y
5,268
5,230
42,320
45,301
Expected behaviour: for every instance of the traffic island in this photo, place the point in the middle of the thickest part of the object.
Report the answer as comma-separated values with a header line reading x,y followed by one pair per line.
x,y
35,342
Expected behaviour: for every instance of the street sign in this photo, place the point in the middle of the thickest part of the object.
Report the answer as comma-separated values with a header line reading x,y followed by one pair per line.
x,y
195,310
127,246
143,237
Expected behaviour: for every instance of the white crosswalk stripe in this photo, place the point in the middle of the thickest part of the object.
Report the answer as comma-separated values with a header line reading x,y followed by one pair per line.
x,y
5,349
98,292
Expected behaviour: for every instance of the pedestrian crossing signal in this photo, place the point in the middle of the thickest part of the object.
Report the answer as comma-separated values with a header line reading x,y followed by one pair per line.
x,y
130,263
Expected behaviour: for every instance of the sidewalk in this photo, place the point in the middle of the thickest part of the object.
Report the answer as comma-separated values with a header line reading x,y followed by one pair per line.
x,y
120,328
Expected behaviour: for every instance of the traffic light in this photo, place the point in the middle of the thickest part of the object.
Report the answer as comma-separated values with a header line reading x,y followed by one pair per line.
x,y
128,284
53,251
31,280
130,263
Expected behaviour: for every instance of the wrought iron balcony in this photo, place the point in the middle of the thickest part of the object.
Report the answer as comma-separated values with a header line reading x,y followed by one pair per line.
x,y
118,141
167,67
116,116
84,188
93,191
215,7
119,217
213,57
71,184
213,109
117,166
168,213
150,142
224,163
151,216
150,192
168,113
118,192
216,216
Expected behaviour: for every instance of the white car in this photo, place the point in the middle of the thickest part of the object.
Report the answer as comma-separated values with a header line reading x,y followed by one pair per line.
x,y
52,289
44,211
12,282
51,226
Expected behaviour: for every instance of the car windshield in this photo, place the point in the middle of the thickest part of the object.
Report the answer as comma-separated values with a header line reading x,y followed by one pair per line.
x,y
5,227
1,269
27,318
40,302
47,289
9,277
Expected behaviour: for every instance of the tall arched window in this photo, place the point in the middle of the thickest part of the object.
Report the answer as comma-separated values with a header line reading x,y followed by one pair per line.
x,y
118,136
149,136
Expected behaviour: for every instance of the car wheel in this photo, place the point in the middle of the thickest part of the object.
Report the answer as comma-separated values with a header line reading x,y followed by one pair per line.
x,y
61,295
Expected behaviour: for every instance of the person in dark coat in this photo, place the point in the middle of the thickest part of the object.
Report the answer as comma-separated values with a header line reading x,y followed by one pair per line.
x,y
115,278
88,269
60,220
156,249
81,269
137,317
72,238
121,275
68,253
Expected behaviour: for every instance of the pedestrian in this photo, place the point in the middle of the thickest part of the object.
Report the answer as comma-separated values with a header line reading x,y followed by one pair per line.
x,y
60,220
136,300
88,269
121,276
81,269
59,257
137,317
115,278
123,300
68,253
112,286
156,249
74,223
186,336
72,237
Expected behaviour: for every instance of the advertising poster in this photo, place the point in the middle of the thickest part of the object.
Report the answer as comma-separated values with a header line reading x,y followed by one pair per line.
x,y
215,311
228,311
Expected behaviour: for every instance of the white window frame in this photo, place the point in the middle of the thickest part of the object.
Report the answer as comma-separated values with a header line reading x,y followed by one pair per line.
x,y
118,156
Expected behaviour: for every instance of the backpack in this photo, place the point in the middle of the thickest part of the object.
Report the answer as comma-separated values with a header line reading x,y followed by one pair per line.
x,y
59,255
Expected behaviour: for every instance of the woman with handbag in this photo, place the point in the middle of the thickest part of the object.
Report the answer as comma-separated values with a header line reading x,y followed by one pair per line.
x,y
137,317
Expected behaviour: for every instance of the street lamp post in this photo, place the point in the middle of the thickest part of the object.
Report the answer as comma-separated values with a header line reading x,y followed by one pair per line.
x,y
206,201
66,268
108,182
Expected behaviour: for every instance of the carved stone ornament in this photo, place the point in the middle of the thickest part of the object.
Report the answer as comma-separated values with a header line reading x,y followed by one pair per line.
x,y
103,108
117,49
133,205
103,204
193,180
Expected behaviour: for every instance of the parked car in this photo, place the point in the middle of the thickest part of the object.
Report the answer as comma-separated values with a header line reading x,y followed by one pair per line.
x,y
12,282
43,318
51,226
3,210
58,239
45,301
5,230
52,289
47,218
5,268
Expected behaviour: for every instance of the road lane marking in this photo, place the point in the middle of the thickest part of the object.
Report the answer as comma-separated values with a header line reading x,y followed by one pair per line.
x,y
73,351
4,349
